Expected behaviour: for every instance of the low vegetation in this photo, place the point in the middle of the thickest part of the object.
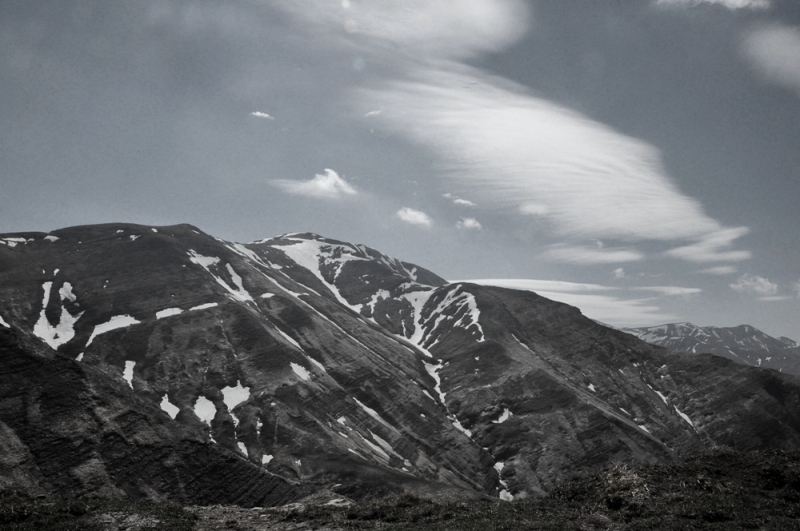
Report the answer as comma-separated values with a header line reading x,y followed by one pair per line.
x,y
720,490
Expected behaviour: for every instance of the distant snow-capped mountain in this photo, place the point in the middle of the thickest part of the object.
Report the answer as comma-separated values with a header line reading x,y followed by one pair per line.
x,y
743,344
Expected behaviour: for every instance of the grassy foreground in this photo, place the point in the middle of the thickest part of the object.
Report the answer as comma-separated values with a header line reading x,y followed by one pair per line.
x,y
718,490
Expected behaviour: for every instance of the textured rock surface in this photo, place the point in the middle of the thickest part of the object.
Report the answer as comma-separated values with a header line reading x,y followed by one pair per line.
x,y
334,366
743,344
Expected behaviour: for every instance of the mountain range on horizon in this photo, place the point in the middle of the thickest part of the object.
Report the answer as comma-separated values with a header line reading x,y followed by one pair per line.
x,y
139,361
743,344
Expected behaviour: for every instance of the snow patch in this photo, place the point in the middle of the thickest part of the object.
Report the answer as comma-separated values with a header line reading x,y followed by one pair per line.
x,y
684,416
128,372
309,253
374,414
51,238
204,306
503,417
133,237
168,407
205,409
4,323
300,371
233,396
242,447
64,331
168,312
265,459
118,321
592,388
267,295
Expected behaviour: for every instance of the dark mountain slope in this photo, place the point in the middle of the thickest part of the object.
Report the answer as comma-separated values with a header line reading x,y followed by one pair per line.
x,y
333,365
69,430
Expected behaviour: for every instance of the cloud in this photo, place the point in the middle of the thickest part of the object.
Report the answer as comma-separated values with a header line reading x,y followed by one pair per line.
x,y
796,288
259,114
730,4
612,308
576,254
326,185
670,291
775,52
414,217
775,298
464,202
522,153
469,223
755,285
619,273
713,247
424,28
719,270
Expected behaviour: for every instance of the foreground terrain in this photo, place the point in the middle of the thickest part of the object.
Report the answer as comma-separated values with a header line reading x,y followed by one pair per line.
x,y
717,490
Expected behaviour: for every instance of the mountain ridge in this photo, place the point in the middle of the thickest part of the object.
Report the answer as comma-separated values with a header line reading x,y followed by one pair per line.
x,y
743,344
333,367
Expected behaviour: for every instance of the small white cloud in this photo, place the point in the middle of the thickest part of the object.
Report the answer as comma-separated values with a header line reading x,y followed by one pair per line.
x,y
575,254
464,202
534,209
259,114
373,113
775,52
620,273
469,223
719,270
670,290
328,185
755,285
414,217
713,247
447,196
730,4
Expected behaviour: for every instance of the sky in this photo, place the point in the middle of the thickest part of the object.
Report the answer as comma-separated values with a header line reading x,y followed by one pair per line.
x,y
639,159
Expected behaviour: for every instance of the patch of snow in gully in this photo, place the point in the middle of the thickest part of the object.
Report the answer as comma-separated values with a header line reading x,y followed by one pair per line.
x,y
168,312
118,321
128,372
168,407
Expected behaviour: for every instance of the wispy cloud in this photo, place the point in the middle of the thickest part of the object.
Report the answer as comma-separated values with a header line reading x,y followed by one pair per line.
x,y
713,247
469,224
524,154
414,217
730,4
613,308
670,291
327,185
578,254
775,52
464,202
756,286
259,114
719,270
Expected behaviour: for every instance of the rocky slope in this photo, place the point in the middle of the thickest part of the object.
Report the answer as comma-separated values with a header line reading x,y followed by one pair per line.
x,y
332,366
743,344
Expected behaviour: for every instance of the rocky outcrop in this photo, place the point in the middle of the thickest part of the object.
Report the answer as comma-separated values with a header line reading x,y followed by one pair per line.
x,y
330,365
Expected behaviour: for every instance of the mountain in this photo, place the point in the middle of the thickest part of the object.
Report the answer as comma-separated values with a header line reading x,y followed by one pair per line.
x,y
743,344
314,365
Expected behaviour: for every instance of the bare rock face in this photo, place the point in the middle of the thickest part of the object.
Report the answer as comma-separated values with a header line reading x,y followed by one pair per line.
x,y
742,344
305,361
